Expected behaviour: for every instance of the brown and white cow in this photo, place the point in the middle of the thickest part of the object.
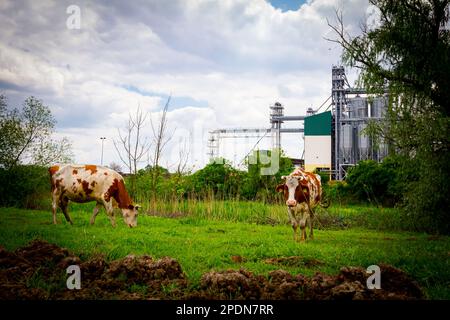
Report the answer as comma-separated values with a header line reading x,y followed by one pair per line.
x,y
302,193
86,183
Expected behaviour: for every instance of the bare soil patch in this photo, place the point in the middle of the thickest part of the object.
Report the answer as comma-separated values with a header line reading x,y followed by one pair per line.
x,y
38,271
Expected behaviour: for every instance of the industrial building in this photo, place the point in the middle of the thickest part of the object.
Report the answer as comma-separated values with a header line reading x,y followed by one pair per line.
x,y
334,140
318,142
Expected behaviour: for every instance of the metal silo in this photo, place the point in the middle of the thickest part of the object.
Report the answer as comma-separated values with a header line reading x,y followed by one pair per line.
x,y
364,144
346,142
378,107
358,107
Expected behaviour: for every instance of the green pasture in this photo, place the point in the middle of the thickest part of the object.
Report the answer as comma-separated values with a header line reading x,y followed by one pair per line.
x,y
207,239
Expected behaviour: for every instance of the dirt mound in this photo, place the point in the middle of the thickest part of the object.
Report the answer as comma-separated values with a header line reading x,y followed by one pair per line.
x,y
25,273
294,261
130,278
38,271
395,284
349,284
230,284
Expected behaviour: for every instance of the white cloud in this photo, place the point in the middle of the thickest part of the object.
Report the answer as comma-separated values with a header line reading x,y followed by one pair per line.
x,y
237,56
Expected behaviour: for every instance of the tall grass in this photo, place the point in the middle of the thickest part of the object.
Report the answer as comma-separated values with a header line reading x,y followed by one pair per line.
x,y
211,209
336,217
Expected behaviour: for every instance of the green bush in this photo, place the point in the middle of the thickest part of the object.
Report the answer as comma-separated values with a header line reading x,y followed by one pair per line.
x,y
25,186
426,200
216,180
378,183
220,179
337,192
262,187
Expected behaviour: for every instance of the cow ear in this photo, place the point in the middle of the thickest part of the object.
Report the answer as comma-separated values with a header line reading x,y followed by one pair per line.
x,y
131,207
283,177
279,188
137,206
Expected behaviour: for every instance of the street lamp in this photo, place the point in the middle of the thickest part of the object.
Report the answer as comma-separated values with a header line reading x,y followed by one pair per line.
x,y
103,139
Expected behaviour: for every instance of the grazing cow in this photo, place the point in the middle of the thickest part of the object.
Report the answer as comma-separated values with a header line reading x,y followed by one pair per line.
x,y
85,183
302,193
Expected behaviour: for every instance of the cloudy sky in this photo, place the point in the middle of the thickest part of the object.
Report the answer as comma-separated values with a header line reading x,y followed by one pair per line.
x,y
224,62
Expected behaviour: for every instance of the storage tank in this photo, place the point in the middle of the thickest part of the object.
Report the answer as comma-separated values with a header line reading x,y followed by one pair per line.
x,y
358,107
364,143
346,142
378,107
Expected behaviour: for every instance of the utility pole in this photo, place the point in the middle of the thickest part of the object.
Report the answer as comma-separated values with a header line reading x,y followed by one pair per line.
x,y
103,139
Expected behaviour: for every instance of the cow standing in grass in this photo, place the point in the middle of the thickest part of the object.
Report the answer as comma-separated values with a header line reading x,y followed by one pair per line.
x,y
302,193
86,183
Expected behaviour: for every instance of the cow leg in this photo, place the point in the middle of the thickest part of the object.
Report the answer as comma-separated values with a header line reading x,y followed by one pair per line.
x,y
112,219
303,230
293,222
302,216
54,206
294,228
311,225
63,205
110,212
95,212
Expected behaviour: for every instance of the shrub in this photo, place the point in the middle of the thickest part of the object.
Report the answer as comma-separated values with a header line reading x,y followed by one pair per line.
x,y
337,192
25,186
379,183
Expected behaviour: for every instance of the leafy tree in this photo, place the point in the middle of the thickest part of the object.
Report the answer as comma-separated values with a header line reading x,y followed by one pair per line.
x,y
257,186
409,53
218,177
378,183
26,135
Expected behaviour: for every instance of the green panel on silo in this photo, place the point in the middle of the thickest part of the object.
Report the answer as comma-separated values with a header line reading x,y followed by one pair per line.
x,y
318,124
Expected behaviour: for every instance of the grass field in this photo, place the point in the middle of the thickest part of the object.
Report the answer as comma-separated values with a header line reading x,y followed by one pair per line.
x,y
208,241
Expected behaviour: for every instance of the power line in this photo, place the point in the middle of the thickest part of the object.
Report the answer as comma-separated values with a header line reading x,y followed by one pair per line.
x,y
253,148
323,103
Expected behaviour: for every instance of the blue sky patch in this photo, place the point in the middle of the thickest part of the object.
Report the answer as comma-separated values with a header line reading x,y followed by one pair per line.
x,y
286,5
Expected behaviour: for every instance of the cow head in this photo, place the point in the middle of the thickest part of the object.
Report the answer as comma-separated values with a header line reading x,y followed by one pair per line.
x,y
130,215
294,189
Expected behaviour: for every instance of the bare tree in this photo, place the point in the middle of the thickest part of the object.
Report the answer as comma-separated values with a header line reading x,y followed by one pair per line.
x,y
183,157
160,140
115,166
125,144
132,146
